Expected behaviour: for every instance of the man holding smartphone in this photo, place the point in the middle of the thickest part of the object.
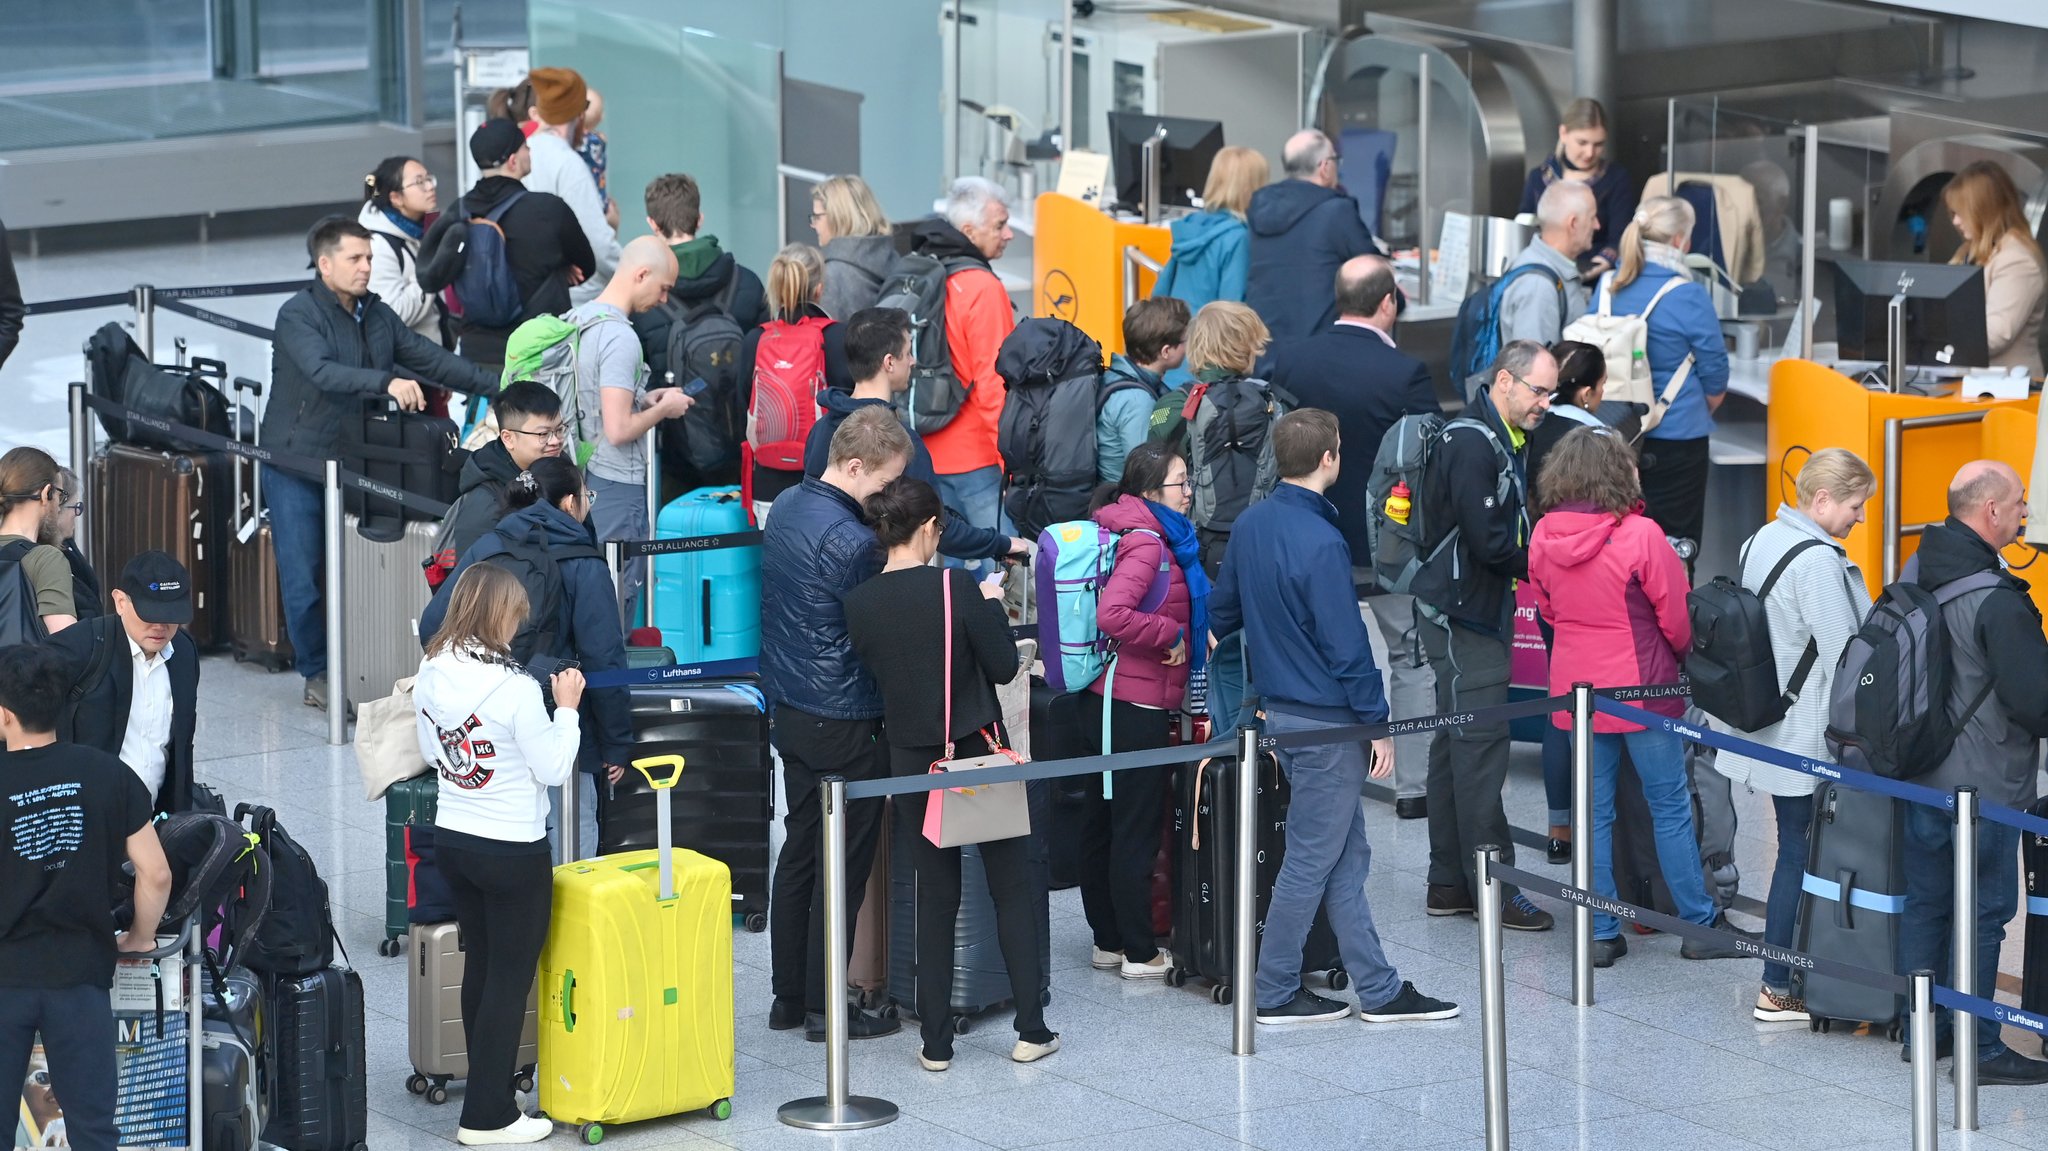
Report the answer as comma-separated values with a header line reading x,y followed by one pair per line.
x,y
611,379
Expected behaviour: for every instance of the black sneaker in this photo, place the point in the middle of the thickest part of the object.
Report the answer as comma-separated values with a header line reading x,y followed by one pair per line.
x,y
785,1014
1305,1007
859,1024
1694,949
1606,951
2009,1068
1409,1006
1519,914
1448,899
1944,1046
1412,807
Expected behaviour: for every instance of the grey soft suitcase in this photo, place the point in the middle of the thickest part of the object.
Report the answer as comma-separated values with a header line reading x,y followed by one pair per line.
x,y
981,981
381,617
1853,900
434,1040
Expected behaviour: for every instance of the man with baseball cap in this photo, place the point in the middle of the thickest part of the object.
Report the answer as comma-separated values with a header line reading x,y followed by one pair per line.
x,y
136,684
544,245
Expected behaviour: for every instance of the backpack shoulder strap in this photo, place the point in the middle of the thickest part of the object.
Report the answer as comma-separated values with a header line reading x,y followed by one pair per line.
x,y
1975,581
1605,292
1784,561
730,291
96,668
1669,284
498,210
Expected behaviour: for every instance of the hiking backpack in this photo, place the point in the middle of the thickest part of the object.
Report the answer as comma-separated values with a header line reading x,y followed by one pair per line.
x,y
1074,560
1624,341
485,286
545,349
20,621
1404,561
1475,341
1888,711
296,934
1733,671
1046,433
1230,451
220,878
537,564
789,376
704,344
917,285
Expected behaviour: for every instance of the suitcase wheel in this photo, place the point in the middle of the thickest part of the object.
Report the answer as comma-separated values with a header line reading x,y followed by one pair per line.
x,y
389,948
591,1133
757,921
416,1083
437,1094
1339,979
962,1024
1045,998
1176,977
1220,993
720,1110
524,1082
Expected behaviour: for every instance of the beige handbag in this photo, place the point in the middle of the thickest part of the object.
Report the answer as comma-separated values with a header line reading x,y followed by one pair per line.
x,y
388,741
970,813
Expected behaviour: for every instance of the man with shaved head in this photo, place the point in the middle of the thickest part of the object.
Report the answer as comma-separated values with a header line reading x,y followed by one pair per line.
x,y
1999,690
615,407
1537,304
1303,229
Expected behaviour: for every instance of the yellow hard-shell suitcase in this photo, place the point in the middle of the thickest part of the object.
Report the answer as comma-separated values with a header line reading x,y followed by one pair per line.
x,y
636,1017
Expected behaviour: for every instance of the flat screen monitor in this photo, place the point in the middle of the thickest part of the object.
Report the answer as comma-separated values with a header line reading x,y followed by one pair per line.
x,y
1944,311
1184,156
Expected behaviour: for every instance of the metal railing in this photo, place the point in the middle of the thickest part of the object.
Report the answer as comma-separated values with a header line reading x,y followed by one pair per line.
x,y
1895,431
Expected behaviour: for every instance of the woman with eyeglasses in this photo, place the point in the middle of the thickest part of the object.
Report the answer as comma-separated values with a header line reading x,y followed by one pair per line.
x,y
32,498
399,203
1154,609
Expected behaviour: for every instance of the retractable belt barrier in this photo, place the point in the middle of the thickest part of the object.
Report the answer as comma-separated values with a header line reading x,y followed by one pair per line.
x,y
210,291
245,327
676,673
684,545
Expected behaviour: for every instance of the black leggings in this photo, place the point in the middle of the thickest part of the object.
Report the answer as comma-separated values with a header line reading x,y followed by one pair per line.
x,y
1674,477
502,902
1006,864
1120,835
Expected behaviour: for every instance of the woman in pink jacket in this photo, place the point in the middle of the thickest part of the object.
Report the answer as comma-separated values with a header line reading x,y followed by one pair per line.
x,y
1607,579
1153,609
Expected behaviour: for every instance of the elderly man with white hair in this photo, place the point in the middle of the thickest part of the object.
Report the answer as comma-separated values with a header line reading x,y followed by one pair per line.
x,y
966,238
1302,230
1535,305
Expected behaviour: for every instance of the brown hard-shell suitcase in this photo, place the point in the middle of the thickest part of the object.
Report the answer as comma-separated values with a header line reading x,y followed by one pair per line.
x,y
143,499
254,597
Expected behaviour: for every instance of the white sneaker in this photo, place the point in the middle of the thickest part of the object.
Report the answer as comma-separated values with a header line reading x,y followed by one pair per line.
x,y
1105,960
930,1064
1028,1052
1156,969
525,1129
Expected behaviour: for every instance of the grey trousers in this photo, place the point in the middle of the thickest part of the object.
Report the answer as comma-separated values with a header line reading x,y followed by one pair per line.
x,y
1411,683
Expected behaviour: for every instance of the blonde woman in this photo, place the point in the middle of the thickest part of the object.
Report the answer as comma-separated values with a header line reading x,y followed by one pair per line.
x,y
1581,154
1212,248
1984,205
1652,277
1817,602
857,246
496,750
779,391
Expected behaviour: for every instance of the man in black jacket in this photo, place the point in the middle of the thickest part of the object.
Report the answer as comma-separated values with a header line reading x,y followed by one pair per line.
x,y
1473,485
544,244
1353,370
136,695
529,427
1302,231
337,348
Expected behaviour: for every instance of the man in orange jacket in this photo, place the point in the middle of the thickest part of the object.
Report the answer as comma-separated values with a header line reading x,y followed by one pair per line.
x,y
974,230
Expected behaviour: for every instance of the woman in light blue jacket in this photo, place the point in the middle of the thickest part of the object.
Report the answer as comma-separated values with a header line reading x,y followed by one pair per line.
x,y
1212,248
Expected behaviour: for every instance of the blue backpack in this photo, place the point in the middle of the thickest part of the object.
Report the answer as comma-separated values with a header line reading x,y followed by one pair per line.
x,y
485,287
1475,341
1074,559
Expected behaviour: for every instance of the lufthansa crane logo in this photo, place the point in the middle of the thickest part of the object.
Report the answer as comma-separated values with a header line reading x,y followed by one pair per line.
x,y
1062,301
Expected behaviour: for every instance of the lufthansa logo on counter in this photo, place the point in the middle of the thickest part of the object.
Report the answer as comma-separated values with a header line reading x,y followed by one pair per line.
x,y
1062,300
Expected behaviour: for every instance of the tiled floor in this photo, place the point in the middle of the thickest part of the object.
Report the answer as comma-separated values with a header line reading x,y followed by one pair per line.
x,y
1668,1058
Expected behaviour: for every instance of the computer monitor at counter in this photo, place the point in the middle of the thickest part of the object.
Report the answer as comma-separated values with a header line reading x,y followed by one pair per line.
x,y
1185,154
1944,320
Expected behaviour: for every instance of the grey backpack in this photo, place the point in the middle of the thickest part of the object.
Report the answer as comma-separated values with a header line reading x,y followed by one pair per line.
x,y
1230,449
1396,526
1889,707
917,285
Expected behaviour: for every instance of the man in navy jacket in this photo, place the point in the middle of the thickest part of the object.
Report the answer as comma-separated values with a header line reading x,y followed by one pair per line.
x,y
1353,370
1286,582
1303,229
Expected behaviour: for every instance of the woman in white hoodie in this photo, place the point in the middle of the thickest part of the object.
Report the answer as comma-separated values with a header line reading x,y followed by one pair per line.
x,y
487,732
398,199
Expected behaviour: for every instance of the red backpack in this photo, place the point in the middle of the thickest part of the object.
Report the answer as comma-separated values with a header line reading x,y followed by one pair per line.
x,y
789,374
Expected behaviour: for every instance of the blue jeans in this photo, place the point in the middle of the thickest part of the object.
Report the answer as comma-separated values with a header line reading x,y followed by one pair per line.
x,y
1226,684
1326,866
620,513
977,495
1926,931
1659,759
1781,909
299,533
586,816
77,1025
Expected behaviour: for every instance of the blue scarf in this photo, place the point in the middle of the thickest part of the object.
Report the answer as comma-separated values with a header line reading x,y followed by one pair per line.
x,y
415,229
1179,533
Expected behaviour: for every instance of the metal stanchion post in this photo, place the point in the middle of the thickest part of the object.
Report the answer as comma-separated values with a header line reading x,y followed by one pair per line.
x,y
1582,842
337,647
195,1055
81,458
1963,962
1493,1023
615,559
143,300
1244,967
1921,1028
653,517
835,1110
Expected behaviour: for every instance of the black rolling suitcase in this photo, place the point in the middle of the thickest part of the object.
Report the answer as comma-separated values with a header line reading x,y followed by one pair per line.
x,y
723,805
316,1024
411,451
2034,968
1855,853
1205,838
1055,734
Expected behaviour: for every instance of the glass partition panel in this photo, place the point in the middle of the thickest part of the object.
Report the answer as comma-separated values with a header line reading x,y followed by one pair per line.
x,y
52,45
1001,88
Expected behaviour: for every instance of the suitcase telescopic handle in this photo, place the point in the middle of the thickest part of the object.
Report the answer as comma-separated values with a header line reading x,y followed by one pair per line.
x,y
664,834
646,767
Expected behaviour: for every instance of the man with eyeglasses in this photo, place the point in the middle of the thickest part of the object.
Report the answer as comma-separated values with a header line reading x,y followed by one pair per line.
x,y
1474,511
1303,228
530,427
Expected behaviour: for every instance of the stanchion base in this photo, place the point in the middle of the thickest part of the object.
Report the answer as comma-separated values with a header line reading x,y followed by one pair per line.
x,y
857,1114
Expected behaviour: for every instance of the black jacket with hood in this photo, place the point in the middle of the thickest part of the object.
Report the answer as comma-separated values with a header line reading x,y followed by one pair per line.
x,y
1461,487
1301,234
485,476
542,242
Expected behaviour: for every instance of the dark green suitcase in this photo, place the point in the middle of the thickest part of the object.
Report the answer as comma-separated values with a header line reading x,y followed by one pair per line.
x,y
408,802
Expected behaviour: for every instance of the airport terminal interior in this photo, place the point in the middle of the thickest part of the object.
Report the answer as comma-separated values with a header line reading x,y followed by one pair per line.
x,y
162,163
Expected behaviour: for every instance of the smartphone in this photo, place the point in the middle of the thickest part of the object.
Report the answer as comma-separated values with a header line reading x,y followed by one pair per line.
x,y
696,387
564,665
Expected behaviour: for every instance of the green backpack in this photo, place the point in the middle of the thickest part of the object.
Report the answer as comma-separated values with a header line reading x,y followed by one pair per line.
x,y
545,349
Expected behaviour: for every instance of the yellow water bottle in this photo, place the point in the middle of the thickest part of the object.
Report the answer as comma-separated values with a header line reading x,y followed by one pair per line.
x,y
1399,503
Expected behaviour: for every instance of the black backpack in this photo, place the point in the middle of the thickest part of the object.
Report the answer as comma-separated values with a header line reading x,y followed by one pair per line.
x,y
1733,672
20,621
1053,373
296,935
537,563
704,344
187,394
